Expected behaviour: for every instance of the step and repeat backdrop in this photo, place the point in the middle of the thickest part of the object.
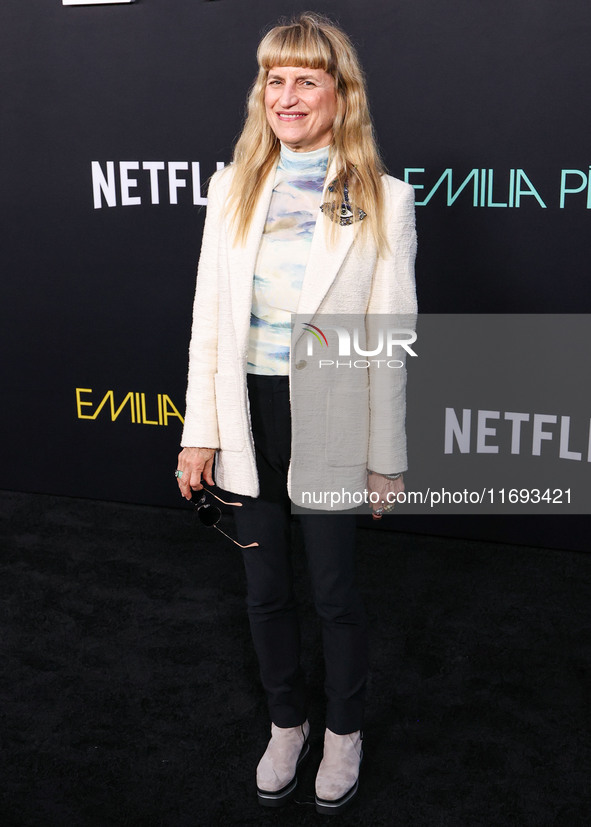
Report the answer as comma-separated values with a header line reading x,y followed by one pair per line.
x,y
115,116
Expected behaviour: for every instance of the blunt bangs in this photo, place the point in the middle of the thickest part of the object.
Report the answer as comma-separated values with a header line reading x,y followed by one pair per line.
x,y
296,45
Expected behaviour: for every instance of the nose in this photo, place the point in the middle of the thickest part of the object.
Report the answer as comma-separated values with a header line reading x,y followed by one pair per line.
x,y
288,95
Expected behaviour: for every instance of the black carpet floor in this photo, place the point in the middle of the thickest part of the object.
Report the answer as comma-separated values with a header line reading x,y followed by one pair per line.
x,y
129,691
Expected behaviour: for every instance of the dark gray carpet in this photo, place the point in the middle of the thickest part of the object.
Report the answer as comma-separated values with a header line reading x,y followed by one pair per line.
x,y
129,691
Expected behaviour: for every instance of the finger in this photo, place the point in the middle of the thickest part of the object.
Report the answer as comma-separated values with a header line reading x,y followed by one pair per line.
x,y
179,476
207,472
184,480
184,487
195,480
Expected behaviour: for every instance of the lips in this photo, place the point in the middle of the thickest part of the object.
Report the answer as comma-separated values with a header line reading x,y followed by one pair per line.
x,y
290,116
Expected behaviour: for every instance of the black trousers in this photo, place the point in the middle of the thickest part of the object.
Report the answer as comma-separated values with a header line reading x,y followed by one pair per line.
x,y
330,549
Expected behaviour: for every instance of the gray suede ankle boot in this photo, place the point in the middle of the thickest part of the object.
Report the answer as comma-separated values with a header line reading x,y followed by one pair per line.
x,y
277,771
338,774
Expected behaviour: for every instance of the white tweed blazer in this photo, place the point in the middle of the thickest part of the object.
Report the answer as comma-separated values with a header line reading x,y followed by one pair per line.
x,y
343,278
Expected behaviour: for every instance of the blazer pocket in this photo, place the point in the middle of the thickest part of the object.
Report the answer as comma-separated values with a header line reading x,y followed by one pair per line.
x,y
347,427
229,413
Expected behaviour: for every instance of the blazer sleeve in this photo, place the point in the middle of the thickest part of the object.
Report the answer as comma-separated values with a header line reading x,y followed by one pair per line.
x,y
393,294
201,427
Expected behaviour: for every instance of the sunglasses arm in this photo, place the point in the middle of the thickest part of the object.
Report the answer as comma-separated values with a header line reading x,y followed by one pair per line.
x,y
219,499
236,543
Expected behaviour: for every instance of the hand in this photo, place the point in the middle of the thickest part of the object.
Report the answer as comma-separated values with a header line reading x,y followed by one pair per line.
x,y
196,464
383,487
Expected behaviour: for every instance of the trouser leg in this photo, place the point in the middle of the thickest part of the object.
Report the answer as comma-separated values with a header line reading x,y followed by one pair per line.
x,y
272,610
266,519
330,550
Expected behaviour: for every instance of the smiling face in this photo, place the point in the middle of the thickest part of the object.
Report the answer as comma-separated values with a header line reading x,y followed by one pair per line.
x,y
301,105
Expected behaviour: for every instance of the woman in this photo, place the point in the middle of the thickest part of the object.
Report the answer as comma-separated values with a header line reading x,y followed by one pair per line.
x,y
304,220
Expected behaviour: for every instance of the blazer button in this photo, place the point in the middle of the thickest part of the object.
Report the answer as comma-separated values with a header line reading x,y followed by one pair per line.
x,y
301,364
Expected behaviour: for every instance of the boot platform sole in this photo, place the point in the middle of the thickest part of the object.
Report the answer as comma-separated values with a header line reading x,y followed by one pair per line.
x,y
280,797
333,808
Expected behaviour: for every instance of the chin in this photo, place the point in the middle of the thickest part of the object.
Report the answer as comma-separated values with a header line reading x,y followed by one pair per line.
x,y
293,139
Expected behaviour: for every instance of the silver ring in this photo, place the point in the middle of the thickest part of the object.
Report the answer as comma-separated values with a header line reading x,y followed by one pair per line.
x,y
178,474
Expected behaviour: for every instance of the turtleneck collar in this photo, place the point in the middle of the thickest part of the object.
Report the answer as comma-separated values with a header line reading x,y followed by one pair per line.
x,y
303,160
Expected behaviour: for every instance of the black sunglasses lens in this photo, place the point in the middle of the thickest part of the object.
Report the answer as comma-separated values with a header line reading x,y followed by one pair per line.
x,y
209,514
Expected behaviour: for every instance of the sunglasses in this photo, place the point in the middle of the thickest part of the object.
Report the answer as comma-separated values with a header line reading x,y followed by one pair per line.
x,y
210,514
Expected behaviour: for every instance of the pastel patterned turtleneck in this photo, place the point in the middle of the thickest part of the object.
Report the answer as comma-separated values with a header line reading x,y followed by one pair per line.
x,y
283,256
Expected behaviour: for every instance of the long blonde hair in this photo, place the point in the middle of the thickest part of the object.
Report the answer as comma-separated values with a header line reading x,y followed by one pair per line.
x,y
315,42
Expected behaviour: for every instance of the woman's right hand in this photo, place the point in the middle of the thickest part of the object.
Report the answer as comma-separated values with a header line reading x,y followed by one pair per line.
x,y
195,464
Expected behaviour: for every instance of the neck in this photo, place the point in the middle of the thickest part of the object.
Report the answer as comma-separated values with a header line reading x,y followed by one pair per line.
x,y
322,150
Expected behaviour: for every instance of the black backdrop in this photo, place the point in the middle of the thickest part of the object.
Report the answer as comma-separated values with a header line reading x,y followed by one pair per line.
x,y
98,297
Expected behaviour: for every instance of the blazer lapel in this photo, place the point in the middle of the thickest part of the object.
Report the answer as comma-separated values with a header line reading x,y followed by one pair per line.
x,y
242,261
325,259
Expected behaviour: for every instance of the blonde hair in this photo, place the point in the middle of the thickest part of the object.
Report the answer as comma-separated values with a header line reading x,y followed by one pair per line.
x,y
314,42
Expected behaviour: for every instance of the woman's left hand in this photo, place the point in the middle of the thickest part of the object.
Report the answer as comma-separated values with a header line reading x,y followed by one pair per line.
x,y
386,490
